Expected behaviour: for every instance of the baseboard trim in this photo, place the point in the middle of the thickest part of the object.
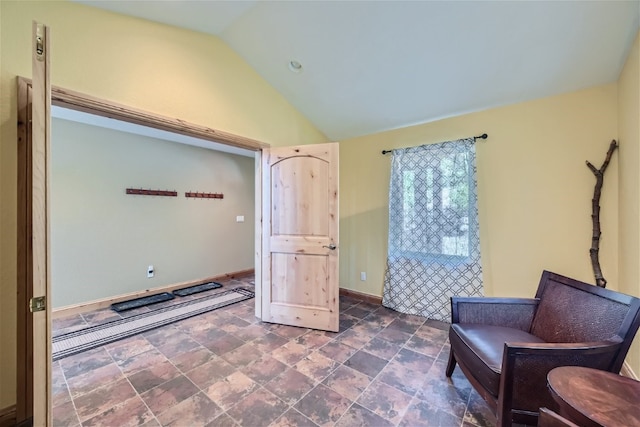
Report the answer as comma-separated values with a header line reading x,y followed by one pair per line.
x,y
372,299
69,310
628,372
8,416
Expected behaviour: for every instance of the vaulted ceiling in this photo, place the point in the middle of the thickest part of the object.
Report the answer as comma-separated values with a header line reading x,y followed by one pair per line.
x,y
369,66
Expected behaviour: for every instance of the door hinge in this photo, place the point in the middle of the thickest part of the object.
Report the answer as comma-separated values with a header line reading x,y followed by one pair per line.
x,y
40,42
38,304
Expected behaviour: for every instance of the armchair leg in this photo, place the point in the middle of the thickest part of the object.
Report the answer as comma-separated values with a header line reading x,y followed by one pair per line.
x,y
452,364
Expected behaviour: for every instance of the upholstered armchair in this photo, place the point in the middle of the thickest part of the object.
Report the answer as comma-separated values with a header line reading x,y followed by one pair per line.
x,y
506,346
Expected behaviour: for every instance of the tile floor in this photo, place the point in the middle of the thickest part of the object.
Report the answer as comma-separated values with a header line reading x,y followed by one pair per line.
x,y
227,368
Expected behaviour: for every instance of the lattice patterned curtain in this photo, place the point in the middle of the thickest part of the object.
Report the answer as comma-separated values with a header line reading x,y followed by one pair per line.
x,y
434,242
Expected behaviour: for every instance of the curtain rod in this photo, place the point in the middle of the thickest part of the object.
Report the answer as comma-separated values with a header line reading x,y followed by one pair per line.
x,y
483,136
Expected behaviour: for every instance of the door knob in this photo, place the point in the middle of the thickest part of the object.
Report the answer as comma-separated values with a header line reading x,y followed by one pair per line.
x,y
331,246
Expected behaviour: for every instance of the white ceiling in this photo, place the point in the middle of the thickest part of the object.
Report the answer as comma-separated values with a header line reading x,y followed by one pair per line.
x,y
370,66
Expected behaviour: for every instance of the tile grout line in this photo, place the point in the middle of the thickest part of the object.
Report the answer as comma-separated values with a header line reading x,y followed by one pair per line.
x,y
73,403
380,372
240,314
355,401
181,374
372,380
130,384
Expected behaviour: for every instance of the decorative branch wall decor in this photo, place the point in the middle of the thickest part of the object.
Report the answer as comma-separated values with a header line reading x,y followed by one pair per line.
x,y
595,215
143,192
204,195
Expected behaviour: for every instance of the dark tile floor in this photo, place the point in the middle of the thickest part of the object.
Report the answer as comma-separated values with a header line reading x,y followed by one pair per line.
x,y
227,368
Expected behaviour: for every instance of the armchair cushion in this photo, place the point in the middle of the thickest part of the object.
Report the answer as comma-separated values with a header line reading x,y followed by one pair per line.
x,y
482,346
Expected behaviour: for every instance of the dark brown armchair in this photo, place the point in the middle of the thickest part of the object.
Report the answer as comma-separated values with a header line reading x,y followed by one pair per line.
x,y
506,346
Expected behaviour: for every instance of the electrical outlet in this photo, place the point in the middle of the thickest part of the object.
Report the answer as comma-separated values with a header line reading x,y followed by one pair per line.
x,y
150,272
363,276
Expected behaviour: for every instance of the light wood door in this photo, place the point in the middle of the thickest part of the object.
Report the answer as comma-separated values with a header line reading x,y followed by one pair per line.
x,y
299,275
40,154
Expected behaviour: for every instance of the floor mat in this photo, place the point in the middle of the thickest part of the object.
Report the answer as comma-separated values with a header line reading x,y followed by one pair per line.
x,y
95,336
141,302
197,288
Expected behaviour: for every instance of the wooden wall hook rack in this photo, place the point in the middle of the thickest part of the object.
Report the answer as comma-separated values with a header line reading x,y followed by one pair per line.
x,y
143,192
204,195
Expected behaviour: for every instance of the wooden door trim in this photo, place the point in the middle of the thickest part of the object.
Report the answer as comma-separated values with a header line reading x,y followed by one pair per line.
x,y
258,235
89,104
92,105
24,404
40,245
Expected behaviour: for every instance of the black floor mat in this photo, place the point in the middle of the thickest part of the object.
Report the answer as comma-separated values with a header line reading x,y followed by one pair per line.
x,y
197,288
141,302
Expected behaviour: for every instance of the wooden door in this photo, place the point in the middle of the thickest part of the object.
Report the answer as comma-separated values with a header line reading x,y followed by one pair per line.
x,y
299,274
41,270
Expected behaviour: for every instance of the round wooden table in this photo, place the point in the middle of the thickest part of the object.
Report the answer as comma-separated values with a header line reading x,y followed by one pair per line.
x,y
590,397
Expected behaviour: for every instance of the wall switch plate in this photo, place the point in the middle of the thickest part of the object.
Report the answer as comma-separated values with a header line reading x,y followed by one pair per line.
x,y
363,276
240,218
150,271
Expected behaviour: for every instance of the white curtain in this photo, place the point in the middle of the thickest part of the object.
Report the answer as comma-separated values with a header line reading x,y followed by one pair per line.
x,y
434,242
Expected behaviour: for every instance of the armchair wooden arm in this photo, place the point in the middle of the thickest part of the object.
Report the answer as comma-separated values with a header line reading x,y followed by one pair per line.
x,y
523,384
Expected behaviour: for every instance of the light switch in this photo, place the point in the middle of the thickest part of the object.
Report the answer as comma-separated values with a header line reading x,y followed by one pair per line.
x,y
240,218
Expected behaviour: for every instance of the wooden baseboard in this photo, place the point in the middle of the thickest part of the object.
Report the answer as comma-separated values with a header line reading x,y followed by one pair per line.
x,y
628,372
8,416
69,310
237,274
372,299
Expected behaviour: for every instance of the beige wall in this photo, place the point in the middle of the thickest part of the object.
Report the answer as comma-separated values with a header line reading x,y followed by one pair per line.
x,y
103,240
534,191
154,67
534,187
629,206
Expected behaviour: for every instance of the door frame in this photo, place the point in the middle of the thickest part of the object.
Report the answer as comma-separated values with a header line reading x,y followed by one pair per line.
x,y
26,257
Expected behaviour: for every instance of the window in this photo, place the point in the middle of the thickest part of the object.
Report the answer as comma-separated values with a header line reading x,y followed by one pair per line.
x,y
435,208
